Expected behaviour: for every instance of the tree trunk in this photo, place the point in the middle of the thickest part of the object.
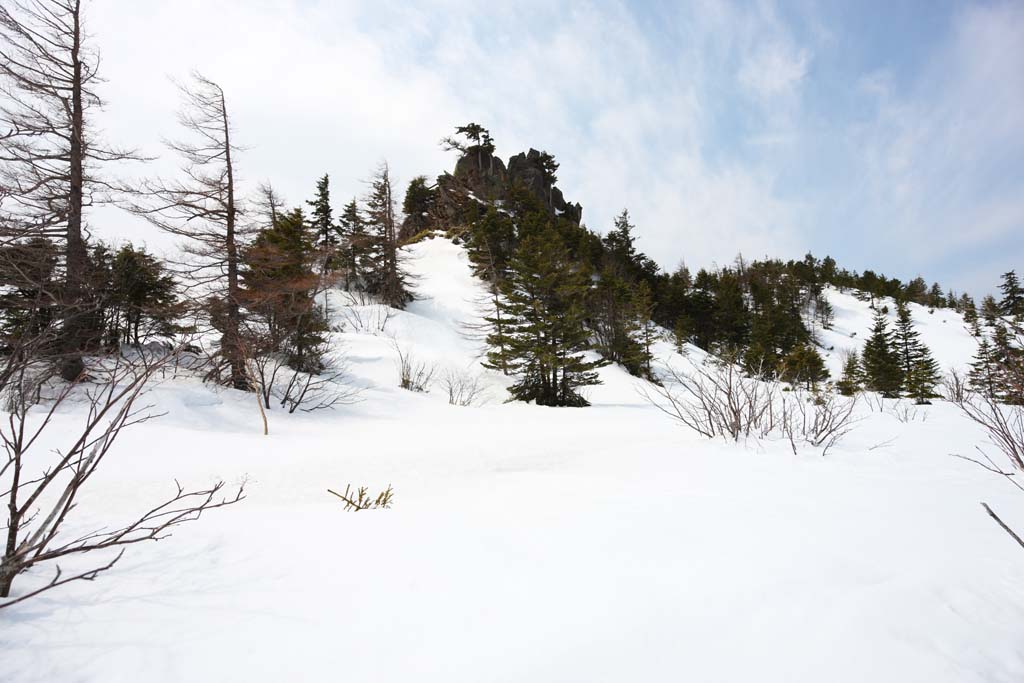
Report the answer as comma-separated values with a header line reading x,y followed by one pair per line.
x,y
231,343
76,256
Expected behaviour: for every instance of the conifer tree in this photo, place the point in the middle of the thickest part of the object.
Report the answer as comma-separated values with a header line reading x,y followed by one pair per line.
x,y
353,255
417,206
1012,303
924,375
323,230
385,274
804,365
546,318
990,310
648,332
882,372
853,375
279,287
139,298
983,376
906,340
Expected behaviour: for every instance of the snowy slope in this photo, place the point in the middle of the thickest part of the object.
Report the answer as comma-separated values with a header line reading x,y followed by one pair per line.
x,y
525,543
943,331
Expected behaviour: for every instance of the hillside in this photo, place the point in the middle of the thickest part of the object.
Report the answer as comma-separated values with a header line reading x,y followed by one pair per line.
x,y
530,543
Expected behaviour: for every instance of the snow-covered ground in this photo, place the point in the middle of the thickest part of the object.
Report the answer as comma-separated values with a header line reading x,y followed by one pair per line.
x,y
943,330
534,544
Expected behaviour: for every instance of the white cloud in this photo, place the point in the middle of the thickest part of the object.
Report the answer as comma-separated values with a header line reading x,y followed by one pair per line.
x,y
774,69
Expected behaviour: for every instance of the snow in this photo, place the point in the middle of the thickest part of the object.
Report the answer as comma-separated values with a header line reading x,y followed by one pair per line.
x,y
943,330
529,543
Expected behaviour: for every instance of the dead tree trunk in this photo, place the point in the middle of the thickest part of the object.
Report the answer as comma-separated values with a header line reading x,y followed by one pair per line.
x,y
49,163
204,210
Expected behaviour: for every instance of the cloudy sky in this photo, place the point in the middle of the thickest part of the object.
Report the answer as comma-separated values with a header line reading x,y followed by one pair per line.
x,y
890,135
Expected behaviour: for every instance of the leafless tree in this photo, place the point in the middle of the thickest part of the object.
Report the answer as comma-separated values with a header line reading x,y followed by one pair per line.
x,y
205,209
50,160
40,489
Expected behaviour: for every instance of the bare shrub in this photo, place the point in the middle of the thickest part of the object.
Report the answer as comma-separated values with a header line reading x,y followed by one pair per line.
x,y
906,412
360,499
1003,423
954,386
368,318
463,388
39,489
413,375
716,399
820,420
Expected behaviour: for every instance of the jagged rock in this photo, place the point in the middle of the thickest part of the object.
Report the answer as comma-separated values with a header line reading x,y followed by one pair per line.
x,y
525,169
486,177
483,173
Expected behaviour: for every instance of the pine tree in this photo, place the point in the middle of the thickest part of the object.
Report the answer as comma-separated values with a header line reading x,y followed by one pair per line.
x,y
385,275
990,310
924,375
321,220
1012,303
853,375
648,331
882,372
804,365
546,322
619,246
418,207
906,340
353,256
279,286
983,376
139,297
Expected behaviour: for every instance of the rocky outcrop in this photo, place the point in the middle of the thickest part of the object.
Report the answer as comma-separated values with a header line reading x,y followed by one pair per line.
x,y
485,176
525,170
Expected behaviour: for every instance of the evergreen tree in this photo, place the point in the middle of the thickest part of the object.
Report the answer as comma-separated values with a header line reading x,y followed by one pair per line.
x,y
804,365
28,288
990,310
882,371
140,298
546,322
321,221
354,254
853,375
418,208
279,287
983,376
619,246
924,375
1012,303
612,313
385,275
648,331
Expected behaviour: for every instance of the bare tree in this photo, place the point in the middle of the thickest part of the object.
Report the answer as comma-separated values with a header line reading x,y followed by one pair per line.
x,y
204,209
40,489
49,158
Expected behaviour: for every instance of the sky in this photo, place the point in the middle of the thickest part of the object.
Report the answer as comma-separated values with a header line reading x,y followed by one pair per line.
x,y
889,135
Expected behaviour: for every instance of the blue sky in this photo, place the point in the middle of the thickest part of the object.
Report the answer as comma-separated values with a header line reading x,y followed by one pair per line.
x,y
889,135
